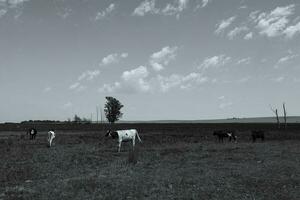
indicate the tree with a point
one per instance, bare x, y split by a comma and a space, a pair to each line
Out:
112, 109
275, 111
284, 115
77, 119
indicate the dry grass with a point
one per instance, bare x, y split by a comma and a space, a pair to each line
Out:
169, 166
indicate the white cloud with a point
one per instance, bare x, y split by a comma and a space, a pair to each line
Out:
113, 58
274, 23
214, 61
110, 88
236, 31
47, 89
279, 79
221, 97
245, 61
77, 87
171, 9
291, 31
102, 14
205, 2
89, 75
2, 12
14, 3
147, 6
134, 74
224, 24
180, 81
162, 58
285, 59
248, 36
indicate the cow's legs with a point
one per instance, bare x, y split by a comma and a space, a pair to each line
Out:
119, 146
133, 143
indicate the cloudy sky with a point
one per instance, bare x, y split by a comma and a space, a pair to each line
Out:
163, 59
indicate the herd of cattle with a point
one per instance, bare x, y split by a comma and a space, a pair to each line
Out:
132, 134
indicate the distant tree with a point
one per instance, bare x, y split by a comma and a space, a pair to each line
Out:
275, 111
77, 119
284, 115
112, 109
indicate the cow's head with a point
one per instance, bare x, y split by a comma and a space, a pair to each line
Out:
108, 133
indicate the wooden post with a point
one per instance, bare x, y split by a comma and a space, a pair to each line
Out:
275, 111
284, 112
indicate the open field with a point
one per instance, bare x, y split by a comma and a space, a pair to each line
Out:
175, 161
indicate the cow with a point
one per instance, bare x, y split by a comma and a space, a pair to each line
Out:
51, 136
32, 133
124, 136
225, 133
257, 134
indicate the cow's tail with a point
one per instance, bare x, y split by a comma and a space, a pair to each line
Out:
137, 135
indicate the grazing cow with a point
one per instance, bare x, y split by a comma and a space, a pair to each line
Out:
51, 136
225, 133
32, 133
257, 134
124, 136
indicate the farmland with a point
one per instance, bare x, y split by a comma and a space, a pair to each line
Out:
175, 161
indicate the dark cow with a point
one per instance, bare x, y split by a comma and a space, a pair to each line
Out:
32, 133
257, 134
221, 134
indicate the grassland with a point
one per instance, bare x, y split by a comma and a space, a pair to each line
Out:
175, 161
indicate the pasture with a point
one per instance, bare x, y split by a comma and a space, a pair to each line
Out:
175, 161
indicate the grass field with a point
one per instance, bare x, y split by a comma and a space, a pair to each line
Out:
173, 162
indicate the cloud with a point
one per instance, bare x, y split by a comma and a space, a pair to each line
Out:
102, 14
112, 58
66, 12
291, 31
160, 59
205, 2
15, 3
236, 31
134, 74
221, 97
285, 59
2, 12
180, 81
224, 24
245, 61
147, 6
47, 89
131, 81
214, 61
89, 75
279, 79
273, 23
171, 9
248, 36
110, 88
77, 87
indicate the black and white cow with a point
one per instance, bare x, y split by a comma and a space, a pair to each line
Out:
51, 136
32, 133
124, 136
257, 134
221, 134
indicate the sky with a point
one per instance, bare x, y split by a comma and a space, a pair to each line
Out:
163, 59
